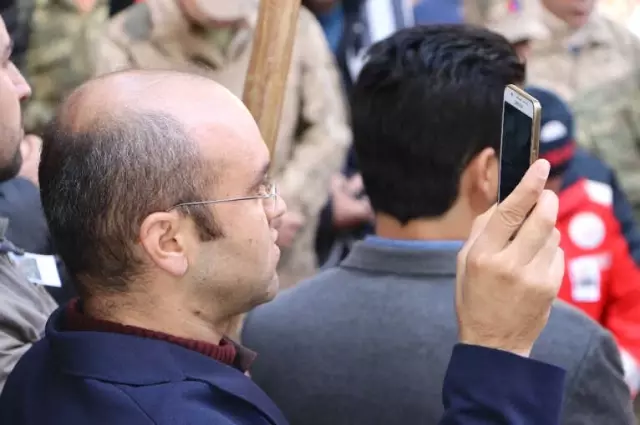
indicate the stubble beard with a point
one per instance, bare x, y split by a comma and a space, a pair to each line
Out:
10, 167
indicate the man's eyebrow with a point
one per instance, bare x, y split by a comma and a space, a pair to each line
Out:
260, 178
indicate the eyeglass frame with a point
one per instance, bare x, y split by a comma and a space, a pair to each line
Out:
273, 193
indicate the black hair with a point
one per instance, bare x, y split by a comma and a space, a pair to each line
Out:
427, 101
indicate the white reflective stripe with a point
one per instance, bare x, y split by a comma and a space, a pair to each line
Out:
631, 371
600, 193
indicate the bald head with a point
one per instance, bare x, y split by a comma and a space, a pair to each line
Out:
189, 98
126, 145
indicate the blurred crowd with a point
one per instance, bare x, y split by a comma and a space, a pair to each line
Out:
582, 61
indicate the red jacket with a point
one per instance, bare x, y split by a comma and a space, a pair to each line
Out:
601, 277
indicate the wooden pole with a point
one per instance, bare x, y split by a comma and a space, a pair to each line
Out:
267, 79
269, 65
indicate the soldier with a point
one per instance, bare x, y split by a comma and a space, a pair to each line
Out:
61, 42
214, 38
520, 22
593, 63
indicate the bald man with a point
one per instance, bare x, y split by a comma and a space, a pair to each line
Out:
155, 188
215, 38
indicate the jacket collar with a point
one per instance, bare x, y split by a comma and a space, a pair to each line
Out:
142, 361
377, 258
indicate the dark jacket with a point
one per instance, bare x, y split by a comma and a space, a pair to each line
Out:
102, 378
20, 203
369, 342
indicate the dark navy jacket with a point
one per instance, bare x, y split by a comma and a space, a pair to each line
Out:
585, 165
99, 378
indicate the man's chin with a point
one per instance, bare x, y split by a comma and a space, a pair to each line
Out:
273, 288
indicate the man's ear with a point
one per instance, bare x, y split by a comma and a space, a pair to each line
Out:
163, 236
484, 169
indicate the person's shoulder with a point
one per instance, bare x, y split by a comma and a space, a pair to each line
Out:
568, 337
587, 165
190, 401
309, 30
305, 17
603, 22
620, 37
585, 194
77, 398
71, 398
307, 289
315, 292
19, 190
83, 397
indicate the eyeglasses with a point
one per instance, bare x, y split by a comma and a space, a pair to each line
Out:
268, 193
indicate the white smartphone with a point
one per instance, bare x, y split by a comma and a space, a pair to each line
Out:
520, 141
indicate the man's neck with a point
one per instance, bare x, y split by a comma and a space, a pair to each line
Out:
160, 314
455, 225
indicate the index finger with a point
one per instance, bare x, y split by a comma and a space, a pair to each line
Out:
510, 213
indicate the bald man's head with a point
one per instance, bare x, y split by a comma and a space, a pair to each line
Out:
148, 90
127, 145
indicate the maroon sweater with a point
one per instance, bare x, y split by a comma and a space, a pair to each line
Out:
226, 351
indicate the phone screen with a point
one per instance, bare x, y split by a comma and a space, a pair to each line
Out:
515, 149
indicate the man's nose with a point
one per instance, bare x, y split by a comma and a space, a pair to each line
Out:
20, 83
280, 208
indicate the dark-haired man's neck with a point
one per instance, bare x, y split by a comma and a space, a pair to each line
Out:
455, 225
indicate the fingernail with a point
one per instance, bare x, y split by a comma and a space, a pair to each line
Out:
543, 168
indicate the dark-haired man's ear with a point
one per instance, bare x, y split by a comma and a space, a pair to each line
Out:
483, 179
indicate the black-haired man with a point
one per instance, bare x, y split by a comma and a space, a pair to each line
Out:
370, 340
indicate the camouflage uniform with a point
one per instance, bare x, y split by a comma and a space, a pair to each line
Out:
314, 133
596, 69
516, 25
61, 43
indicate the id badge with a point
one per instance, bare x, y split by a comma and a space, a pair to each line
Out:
39, 269
585, 276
